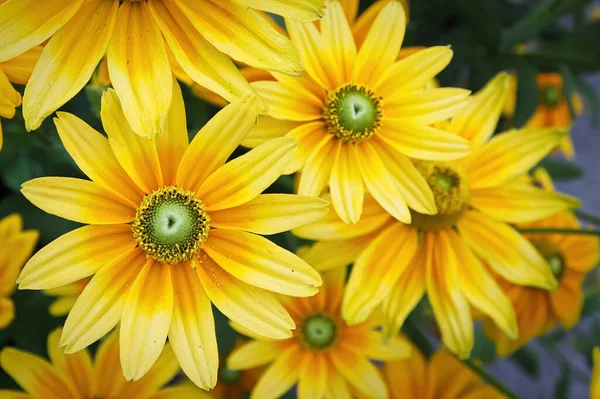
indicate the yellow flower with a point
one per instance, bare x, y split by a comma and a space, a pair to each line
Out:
443, 255
358, 114
76, 376
202, 35
325, 357
595, 381
443, 376
17, 246
16, 70
66, 297
569, 257
172, 228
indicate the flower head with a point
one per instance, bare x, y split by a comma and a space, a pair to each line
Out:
172, 228
137, 37
359, 113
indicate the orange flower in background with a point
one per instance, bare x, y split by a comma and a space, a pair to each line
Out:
66, 297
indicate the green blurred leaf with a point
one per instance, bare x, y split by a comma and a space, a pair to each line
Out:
527, 360
94, 96
482, 21
569, 88
483, 349
561, 7
561, 170
579, 49
591, 95
527, 94
563, 385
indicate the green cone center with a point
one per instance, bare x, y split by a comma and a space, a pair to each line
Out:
551, 96
352, 113
171, 224
319, 331
229, 376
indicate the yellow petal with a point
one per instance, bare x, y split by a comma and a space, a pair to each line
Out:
325, 255
108, 375
98, 309
192, 332
19, 69
244, 178
426, 107
509, 155
137, 155
79, 200
257, 261
182, 391
359, 372
413, 72
408, 377
268, 128
381, 183
301, 10
200, 60
477, 121
7, 313
271, 214
489, 239
346, 184
377, 270
68, 60
146, 320
252, 308
279, 377
243, 34
62, 306
75, 255
76, 367
35, 375
378, 348
423, 142
309, 42
9, 97
216, 141
314, 375
92, 153
350, 8
139, 69
382, 44
288, 104
27, 23
11, 225
253, 354
308, 136
317, 169
339, 49
18, 249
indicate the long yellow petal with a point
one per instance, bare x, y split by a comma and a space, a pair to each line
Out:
136, 154
192, 332
350, 8
243, 34
79, 200
346, 184
325, 255
216, 141
314, 375
339, 49
27, 23
68, 60
253, 308
99, 307
309, 42
359, 372
288, 104
377, 270
92, 153
108, 376
271, 214
146, 319
317, 169
19, 69
9, 97
257, 261
301, 10
509, 155
308, 136
382, 44
426, 107
377, 348
279, 377
244, 178
268, 128
76, 367
139, 69
18, 249
489, 239
253, 354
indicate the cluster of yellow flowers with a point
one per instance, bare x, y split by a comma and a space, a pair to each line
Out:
395, 175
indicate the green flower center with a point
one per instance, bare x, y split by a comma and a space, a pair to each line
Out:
450, 190
171, 225
551, 252
352, 113
319, 331
550, 96
229, 376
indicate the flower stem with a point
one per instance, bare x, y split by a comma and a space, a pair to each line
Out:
490, 380
587, 217
559, 231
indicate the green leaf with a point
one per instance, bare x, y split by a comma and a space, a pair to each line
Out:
527, 359
591, 95
482, 21
581, 44
569, 88
483, 349
563, 385
561, 170
527, 94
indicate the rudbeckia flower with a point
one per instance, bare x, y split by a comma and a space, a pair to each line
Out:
17, 245
171, 228
444, 255
326, 358
65, 297
358, 114
442, 376
569, 257
77, 376
16, 70
202, 35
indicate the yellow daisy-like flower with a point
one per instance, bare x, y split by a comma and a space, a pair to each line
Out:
442, 376
66, 297
172, 228
17, 245
136, 35
16, 70
326, 357
358, 114
443, 255
76, 376
569, 257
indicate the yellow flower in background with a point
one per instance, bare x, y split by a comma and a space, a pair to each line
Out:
77, 376
569, 257
66, 297
443, 255
17, 245
202, 35
16, 70
325, 357
172, 228
358, 114
442, 376
595, 381
552, 110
